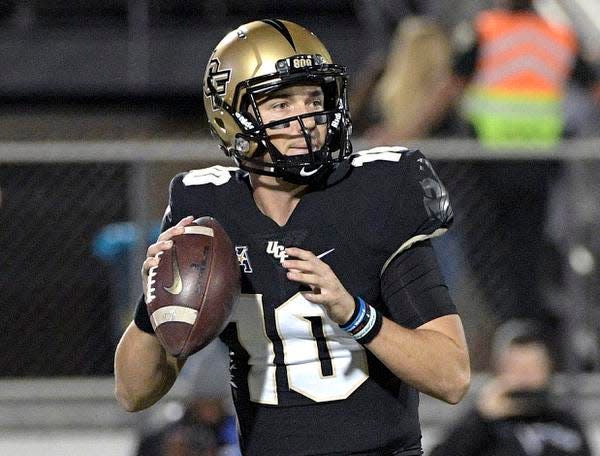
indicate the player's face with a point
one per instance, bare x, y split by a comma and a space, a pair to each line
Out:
289, 102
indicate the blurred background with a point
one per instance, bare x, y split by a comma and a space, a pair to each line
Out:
100, 105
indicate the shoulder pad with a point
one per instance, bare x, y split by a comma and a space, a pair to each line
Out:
385, 153
216, 175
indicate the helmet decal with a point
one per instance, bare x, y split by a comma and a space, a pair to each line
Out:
216, 83
281, 28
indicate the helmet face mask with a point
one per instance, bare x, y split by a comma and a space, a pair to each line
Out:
232, 100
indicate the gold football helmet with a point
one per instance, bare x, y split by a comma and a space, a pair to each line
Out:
255, 60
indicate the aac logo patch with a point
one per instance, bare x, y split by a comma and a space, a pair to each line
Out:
242, 255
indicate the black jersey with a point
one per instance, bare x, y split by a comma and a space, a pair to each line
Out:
301, 385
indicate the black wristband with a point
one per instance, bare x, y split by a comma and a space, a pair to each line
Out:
141, 317
372, 333
365, 322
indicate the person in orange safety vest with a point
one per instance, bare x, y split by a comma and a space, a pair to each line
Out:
511, 67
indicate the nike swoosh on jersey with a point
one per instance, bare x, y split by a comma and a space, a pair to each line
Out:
325, 253
177, 286
305, 173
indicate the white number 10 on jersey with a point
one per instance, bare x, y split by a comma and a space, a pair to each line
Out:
323, 362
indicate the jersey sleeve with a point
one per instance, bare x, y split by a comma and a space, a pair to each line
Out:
413, 288
420, 206
195, 192
167, 220
176, 209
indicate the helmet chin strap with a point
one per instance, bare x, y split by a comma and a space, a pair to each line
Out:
297, 171
307, 175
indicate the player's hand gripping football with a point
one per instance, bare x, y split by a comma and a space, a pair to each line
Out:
326, 289
162, 243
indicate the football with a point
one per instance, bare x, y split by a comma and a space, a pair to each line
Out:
191, 292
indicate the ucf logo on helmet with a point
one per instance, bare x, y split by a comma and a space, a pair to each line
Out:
215, 85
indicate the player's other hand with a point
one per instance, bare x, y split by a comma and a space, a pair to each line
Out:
162, 243
326, 289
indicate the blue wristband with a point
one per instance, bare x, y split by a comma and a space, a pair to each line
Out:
359, 314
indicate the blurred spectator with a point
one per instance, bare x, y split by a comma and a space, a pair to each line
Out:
186, 440
200, 428
511, 68
418, 61
515, 413
404, 35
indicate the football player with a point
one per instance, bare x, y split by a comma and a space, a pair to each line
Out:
344, 317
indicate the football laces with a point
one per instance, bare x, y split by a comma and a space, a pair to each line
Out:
150, 289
